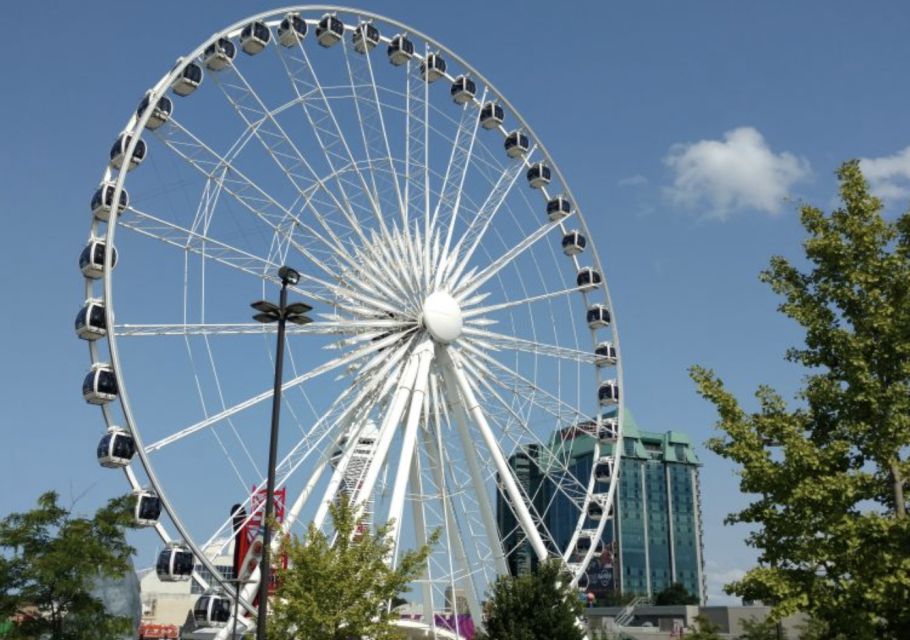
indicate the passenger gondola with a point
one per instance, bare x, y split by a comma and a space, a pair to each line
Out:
91, 260
291, 30
538, 175
433, 68
147, 508
159, 115
329, 31
603, 471
212, 609
608, 393
188, 80
175, 563
116, 448
595, 510
365, 38
103, 201
558, 208
608, 430
255, 37
583, 544
119, 149
219, 54
516, 144
90, 322
605, 354
573, 243
463, 89
100, 384
588, 279
400, 50
492, 115
598, 316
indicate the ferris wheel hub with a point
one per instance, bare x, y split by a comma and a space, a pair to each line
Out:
442, 317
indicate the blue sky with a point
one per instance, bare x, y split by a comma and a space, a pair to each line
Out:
688, 131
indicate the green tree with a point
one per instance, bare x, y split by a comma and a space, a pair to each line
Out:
829, 476
535, 606
703, 629
49, 562
675, 594
342, 590
767, 629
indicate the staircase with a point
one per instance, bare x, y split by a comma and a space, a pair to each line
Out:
625, 616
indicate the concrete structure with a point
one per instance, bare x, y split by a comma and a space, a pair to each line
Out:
655, 536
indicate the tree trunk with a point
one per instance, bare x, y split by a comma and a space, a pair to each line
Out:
900, 506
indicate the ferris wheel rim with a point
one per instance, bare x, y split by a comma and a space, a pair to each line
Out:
136, 126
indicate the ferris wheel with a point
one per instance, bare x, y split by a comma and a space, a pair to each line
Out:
464, 337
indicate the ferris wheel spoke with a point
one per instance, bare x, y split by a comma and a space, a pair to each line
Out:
415, 132
265, 395
453, 184
249, 106
502, 341
255, 328
473, 313
470, 286
474, 234
452, 365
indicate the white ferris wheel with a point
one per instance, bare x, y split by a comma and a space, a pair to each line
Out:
464, 334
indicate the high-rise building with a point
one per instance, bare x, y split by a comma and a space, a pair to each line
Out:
654, 537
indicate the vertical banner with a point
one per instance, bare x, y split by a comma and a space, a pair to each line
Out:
251, 540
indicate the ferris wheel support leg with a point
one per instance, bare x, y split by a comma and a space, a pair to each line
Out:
424, 355
502, 466
420, 531
454, 539
486, 510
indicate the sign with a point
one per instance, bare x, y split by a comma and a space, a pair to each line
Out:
251, 536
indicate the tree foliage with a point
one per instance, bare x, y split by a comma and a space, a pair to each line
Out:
830, 476
540, 605
767, 629
49, 563
703, 629
675, 594
342, 590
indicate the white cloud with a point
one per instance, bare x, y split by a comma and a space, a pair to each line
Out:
889, 176
637, 180
738, 172
716, 577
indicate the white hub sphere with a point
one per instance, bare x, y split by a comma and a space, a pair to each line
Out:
442, 317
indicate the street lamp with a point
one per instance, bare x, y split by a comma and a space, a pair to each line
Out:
281, 313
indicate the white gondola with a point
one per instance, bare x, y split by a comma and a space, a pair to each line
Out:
608, 392
255, 37
573, 243
365, 38
219, 54
598, 316
91, 260
90, 322
596, 510
558, 208
605, 354
100, 384
516, 144
116, 448
433, 68
291, 30
492, 115
212, 609
538, 175
118, 152
588, 279
583, 544
603, 470
463, 90
103, 201
159, 115
147, 508
608, 431
175, 563
188, 80
400, 50
329, 31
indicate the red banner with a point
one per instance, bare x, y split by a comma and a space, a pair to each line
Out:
250, 538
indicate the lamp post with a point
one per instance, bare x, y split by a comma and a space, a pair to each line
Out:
281, 313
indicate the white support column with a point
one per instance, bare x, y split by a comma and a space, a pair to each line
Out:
424, 355
420, 531
454, 369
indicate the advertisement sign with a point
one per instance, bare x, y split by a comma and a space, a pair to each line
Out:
249, 539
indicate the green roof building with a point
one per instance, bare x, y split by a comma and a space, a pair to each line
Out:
654, 537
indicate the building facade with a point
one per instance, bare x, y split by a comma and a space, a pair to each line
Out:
654, 537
